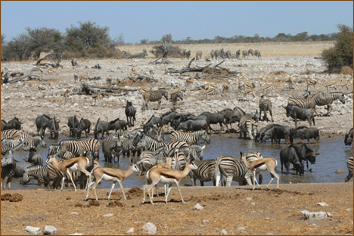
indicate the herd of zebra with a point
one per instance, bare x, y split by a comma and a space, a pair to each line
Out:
215, 54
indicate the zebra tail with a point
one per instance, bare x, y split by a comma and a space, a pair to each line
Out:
313, 120
217, 175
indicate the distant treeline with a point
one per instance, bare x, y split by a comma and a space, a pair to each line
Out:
91, 40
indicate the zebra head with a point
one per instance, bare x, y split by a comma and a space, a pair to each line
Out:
205, 137
8, 159
342, 98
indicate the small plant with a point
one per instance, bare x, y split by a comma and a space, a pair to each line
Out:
342, 53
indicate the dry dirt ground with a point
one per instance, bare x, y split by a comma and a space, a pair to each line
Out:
275, 211
279, 62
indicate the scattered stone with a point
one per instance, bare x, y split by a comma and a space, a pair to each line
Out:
316, 215
198, 233
76, 234
340, 171
348, 209
223, 232
248, 198
49, 230
322, 204
131, 230
33, 230
205, 221
108, 215
252, 203
198, 207
241, 228
74, 213
150, 227
269, 234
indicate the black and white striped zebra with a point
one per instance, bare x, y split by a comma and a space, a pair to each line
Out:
32, 142
233, 169
8, 165
348, 139
328, 99
80, 148
350, 169
196, 151
204, 173
10, 144
37, 172
11, 133
252, 156
248, 126
265, 105
308, 103
150, 158
154, 96
190, 138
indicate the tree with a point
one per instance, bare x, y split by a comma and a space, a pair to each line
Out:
17, 48
167, 38
44, 40
144, 41
342, 53
3, 40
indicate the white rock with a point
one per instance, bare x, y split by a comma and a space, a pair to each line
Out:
315, 215
74, 213
241, 228
49, 230
76, 234
108, 215
248, 198
223, 232
131, 230
198, 207
33, 230
322, 204
150, 227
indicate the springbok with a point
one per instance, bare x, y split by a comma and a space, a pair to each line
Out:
225, 87
69, 166
110, 174
249, 91
267, 87
290, 81
345, 84
210, 86
167, 176
247, 85
66, 95
311, 82
96, 96
135, 73
85, 77
329, 85
143, 90
209, 91
261, 165
151, 72
178, 89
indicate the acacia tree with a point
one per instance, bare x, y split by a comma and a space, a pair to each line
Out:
342, 53
17, 48
43, 40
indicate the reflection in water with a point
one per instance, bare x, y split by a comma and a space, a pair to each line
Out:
333, 155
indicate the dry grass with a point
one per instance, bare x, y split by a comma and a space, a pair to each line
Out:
267, 49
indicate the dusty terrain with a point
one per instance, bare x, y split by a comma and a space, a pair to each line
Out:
29, 99
269, 211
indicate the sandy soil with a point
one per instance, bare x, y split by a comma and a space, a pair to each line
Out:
29, 99
269, 211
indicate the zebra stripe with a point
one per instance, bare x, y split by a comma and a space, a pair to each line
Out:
38, 172
302, 102
10, 144
196, 151
248, 125
328, 99
10, 133
154, 96
252, 156
350, 169
79, 148
232, 168
204, 173
190, 138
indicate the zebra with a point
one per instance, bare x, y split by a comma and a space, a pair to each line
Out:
174, 98
329, 99
148, 159
348, 139
228, 54
198, 55
38, 172
204, 173
190, 138
308, 103
10, 144
257, 53
32, 142
11, 133
238, 54
350, 169
244, 54
79, 148
8, 165
252, 156
154, 96
247, 125
196, 151
232, 168
250, 52
265, 105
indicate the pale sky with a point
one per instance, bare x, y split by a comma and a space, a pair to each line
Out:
198, 20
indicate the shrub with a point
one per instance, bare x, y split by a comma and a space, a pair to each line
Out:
342, 53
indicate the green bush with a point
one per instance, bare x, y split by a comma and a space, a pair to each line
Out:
342, 53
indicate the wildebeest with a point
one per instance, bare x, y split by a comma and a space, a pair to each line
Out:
276, 132
154, 96
257, 53
238, 54
4, 125
84, 125
14, 124
348, 140
21, 167
100, 127
44, 121
151, 122
174, 98
302, 152
34, 157
111, 148
73, 122
167, 118
296, 113
193, 125
289, 155
304, 132
130, 113
214, 118
8, 166
117, 124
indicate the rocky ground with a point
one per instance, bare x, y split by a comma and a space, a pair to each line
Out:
237, 210
29, 99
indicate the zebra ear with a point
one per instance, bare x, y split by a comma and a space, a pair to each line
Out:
203, 146
241, 154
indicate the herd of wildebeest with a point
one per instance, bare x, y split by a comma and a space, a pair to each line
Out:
147, 149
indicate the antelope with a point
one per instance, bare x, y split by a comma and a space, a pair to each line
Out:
52, 70
151, 72
247, 85
290, 81
143, 90
96, 96
249, 91
267, 87
69, 166
209, 86
175, 90
225, 87
167, 176
345, 84
209, 91
85, 77
261, 165
109, 81
66, 95
110, 174
311, 82
329, 85
189, 81
76, 77
134, 73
